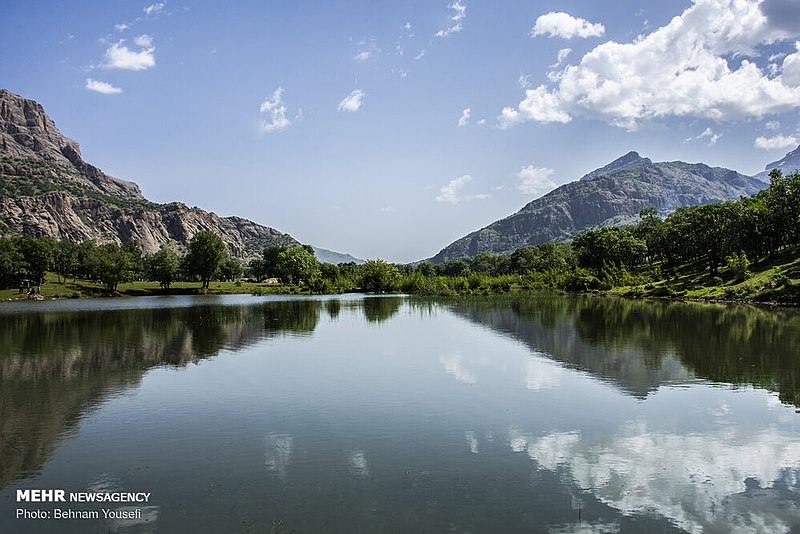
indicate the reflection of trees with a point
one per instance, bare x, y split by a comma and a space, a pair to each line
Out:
635, 343
291, 316
333, 307
379, 309
53, 366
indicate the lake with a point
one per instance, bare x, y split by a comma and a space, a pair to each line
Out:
541, 413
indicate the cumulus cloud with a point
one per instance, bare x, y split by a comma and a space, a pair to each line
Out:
451, 193
460, 11
119, 56
121, 27
535, 180
153, 9
708, 134
101, 87
464, 119
777, 142
273, 110
692, 67
772, 125
564, 25
352, 102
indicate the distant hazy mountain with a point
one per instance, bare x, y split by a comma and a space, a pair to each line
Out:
611, 195
47, 189
788, 164
328, 256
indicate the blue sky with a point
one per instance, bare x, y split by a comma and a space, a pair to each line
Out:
391, 128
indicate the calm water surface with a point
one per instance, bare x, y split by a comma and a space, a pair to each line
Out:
392, 414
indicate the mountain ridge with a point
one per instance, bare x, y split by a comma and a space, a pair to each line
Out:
608, 196
47, 189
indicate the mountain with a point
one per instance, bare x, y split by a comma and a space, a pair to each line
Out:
329, 256
610, 195
47, 189
788, 164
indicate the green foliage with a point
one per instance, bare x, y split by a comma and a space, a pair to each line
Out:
206, 253
297, 264
162, 267
37, 254
116, 264
617, 246
65, 259
11, 262
379, 276
739, 266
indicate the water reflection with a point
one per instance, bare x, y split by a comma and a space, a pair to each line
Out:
55, 366
643, 345
380, 309
385, 414
278, 450
702, 482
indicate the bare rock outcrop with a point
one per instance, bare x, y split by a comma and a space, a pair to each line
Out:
47, 189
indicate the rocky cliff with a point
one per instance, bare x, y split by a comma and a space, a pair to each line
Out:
788, 164
47, 189
611, 195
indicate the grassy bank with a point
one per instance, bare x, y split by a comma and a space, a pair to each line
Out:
772, 279
52, 289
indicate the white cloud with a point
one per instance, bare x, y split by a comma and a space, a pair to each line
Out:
535, 180
369, 50
562, 56
419, 56
121, 27
791, 68
777, 142
119, 56
772, 125
709, 134
352, 102
683, 69
144, 40
101, 87
564, 25
460, 12
274, 110
539, 105
464, 119
154, 8
451, 193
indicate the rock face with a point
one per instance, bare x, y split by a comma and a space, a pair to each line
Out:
46, 189
611, 195
788, 164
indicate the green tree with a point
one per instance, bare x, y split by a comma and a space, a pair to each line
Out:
162, 266
297, 264
230, 269
65, 259
10, 262
205, 256
37, 256
271, 265
378, 276
114, 265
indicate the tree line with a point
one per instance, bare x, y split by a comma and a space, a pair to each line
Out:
730, 234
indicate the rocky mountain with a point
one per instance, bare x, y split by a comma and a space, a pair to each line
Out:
47, 189
788, 164
611, 195
329, 256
